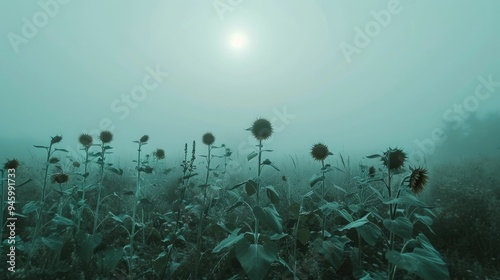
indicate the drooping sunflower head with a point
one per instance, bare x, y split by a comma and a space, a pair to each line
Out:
86, 140
371, 171
393, 158
228, 152
59, 178
418, 179
320, 151
262, 129
208, 138
11, 164
106, 136
159, 154
144, 139
56, 139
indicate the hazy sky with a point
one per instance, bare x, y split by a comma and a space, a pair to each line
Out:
358, 76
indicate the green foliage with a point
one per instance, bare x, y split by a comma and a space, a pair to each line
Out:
179, 224
256, 259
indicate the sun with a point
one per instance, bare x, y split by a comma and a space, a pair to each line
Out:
238, 41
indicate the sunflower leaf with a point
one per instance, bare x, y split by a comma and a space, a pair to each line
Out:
252, 155
374, 156
315, 179
40, 147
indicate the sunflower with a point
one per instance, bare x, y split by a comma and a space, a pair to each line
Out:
393, 158
262, 129
144, 139
418, 179
11, 164
208, 138
56, 139
59, 178
54, 160
86, 140
106, 136
319, 151
371, 171
159, 154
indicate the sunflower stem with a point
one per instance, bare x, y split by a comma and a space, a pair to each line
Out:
101, 182
256, 233
80, 211
137, 189
323, 198
202, 212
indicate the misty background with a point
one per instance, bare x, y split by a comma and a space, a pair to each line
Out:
74, 70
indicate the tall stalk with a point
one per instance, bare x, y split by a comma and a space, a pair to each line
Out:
55, 139
208, 139
139, 168
323, 198
99, 190
105, 137
257, 192
84, 183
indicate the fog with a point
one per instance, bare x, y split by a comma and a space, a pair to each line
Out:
356, 76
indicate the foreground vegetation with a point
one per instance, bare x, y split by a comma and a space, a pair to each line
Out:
85, 218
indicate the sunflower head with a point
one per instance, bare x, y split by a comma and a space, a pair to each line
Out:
144, 139
59, 178
76, 164
262, 129
228, 152
394, 158
159, 154
371, 171
86, 140
418, 179
56, 139
11, 164
106, 136
320, 151
54, 160
208, 138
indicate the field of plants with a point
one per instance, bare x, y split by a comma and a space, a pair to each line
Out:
87, 217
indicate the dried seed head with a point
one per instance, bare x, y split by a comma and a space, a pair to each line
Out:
262, 129
159, 154
11, 164
144, 139
208, 138
106, 136
371, 171
319, 151
59, 178
86, 140
393, 158
418, 179
56, 139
